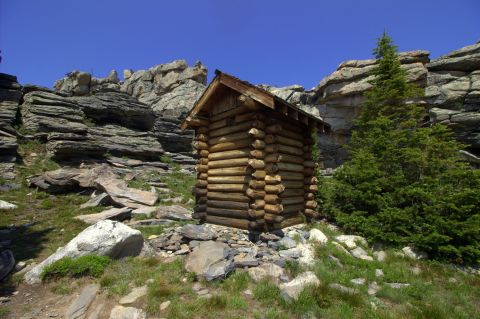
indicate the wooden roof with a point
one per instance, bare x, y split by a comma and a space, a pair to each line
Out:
260, 95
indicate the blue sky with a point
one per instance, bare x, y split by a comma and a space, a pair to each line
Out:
276, 42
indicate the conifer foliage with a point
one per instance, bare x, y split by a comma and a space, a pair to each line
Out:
404, 182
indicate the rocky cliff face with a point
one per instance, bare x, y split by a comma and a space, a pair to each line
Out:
452, 97
139, 117
10, 96
88, 117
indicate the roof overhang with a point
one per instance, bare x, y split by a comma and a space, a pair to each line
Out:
259, 95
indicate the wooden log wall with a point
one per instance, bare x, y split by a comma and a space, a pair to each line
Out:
311, 187
285, 179
235, 161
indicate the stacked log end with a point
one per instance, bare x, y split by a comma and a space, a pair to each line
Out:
311, 187
284, 199
256, 163
201, 145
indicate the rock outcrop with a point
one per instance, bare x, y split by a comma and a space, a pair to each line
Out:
88, 117
10, 95
339, 96
453, 93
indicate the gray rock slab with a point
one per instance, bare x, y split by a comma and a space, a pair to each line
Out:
119, 214
80, 306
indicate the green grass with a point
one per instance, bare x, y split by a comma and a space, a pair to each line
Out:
180, 183
88, 265
4, 311
139, 184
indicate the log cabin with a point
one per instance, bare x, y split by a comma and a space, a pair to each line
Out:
255, 169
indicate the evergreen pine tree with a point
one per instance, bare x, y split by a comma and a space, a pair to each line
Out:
404, 182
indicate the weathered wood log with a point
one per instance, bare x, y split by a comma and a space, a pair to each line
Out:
275, 118
201, 200
228, 179
248, 117
228, 146
229, 171
248, 102
283, 140
293, 200
309, 196
290, 222
293, 209
311, 204
258, 144
256, 194
256, 213
257, 184
259, 174
202, 161
228, 204
290, 134
274, 189
292, 193
308, 171
273, 179
258, 204
306, 148
275, 148
291, 176
272, 199
197, 121
229, 138
234, 197
244, 152
203, 153
233, 162
311, 213
201, 191
201, 168
256, 133
229, 113
256, 163
201, 130
202, 176
310, 180
290, 141
200, 208
231, 213
273, 129
272, 218
273, 208
258, 124
273, 168
230, 222
257, 154
293, 184
312, 188
227, 187
283, 158
202, 137
218, 124
199, 216
310, 164
199, 145
245, 126
257, 224
201, 183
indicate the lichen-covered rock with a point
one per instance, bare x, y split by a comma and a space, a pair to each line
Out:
210, 260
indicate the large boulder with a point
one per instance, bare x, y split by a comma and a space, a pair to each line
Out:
148, 85
106, 238
210, 260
